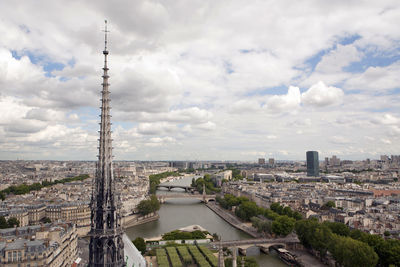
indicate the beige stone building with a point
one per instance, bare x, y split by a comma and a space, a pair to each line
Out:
53, 245
20, 214
75, 212
36, 213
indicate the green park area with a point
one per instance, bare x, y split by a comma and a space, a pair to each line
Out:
186, 255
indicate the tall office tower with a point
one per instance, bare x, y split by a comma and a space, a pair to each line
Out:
106, 247
261, 161
271, 161
312, 163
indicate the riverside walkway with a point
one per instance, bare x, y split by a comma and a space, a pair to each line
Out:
231, 243
232, 219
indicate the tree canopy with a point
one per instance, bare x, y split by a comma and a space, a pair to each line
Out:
10, 223
140, 244
348, 247
155, 179
148, 206
180, 235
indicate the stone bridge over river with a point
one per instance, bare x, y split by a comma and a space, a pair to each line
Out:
194, 193
187, 188
263, 244
201, 197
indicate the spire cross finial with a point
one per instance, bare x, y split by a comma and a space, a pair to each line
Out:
105, 35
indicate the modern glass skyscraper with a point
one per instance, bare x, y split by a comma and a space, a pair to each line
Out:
312, 163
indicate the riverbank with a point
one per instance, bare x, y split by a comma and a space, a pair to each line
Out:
232, 220
303, 257
134, 220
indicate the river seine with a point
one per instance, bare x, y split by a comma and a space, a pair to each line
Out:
178, 213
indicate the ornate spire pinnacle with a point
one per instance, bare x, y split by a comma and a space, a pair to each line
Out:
106, 247
105, 35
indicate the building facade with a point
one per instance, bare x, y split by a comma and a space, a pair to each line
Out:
50, 245
312, 163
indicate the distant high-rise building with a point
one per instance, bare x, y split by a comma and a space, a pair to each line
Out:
312, 163
261, 161
271, 161
334, 161
106, 247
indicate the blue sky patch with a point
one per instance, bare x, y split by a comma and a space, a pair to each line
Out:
228, 67
245, 51
42, 60
371, 60
315, 59
49, 67
276, 90
349, 39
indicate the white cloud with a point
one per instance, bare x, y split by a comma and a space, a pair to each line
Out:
336, 59
375, 79
386, 118
285, 103
204, 75
157, 128
321, 95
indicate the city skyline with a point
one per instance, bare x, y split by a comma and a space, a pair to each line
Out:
201, 81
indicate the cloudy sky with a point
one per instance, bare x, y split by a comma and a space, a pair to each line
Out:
201, 79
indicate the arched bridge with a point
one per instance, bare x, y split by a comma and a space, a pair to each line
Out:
264, 244
170, 186
201, 197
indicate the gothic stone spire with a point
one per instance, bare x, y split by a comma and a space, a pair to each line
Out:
106, 247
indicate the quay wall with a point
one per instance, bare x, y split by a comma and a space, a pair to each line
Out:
127, 221
231, 219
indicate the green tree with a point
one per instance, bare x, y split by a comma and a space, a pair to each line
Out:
349, 252
45, 220
12, 222
389, 252
248, 262
277, 208
297, 215
328, 205
246, 210
140, 244
3, 223
272, 215
283, 225
287, 211
321, 239
338, 228
262, 225
305, 231
149, 205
